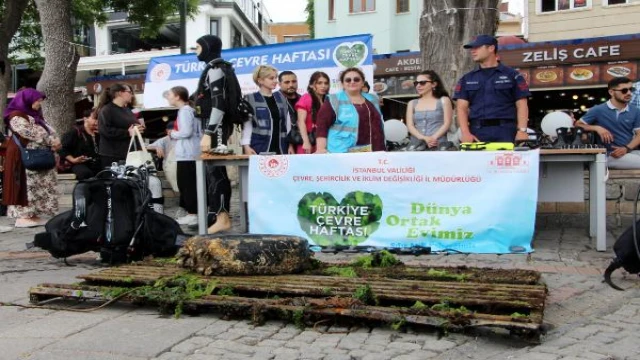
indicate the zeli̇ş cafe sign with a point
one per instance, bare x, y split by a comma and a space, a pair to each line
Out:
577, 54
575, 63
616, 48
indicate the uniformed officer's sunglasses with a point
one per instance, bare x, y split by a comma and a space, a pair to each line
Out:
625, 90
422, 82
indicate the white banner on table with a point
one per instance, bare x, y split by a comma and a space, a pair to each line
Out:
473, 202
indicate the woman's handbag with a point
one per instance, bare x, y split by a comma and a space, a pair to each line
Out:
295, 137
137, 158
36, 159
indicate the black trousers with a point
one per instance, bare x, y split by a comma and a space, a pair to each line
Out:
84, 171
187, 186
218, 189
218, 184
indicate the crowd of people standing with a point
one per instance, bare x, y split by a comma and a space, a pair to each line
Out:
282, 122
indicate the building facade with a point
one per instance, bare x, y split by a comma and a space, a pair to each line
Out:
117, 49
388, 21
288, 32
510, 24
394, 24
550, 20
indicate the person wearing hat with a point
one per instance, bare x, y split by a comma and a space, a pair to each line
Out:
491, 100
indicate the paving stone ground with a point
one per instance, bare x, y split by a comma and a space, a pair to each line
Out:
586, 319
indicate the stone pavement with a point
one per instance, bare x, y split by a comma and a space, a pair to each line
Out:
586, 318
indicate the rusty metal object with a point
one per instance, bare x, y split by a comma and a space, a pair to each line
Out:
245, 254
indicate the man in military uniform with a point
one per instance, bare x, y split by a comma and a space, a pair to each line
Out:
491, 99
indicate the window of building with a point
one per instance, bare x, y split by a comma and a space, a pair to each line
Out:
292, 38
332, 10
81, 36
236, 37
214, 27
358, 6
615, 2
127, 39
559, 5
402, 6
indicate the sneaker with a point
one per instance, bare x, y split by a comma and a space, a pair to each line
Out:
190, 219
181, 213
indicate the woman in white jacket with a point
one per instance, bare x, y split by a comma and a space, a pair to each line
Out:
187, 134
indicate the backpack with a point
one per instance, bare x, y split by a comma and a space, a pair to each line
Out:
111, 215
237, 109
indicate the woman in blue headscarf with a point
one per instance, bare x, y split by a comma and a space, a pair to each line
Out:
29, 194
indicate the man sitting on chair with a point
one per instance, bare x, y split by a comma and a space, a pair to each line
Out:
617, 124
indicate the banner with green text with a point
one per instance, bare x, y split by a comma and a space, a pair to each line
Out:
472, 202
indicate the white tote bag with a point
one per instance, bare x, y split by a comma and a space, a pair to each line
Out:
137, 157
170, 167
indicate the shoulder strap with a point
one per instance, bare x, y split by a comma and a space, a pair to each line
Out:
203, 77
79, 205
333, 99
17, 141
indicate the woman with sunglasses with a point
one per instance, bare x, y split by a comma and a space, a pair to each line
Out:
429, 117
116, 123
351, 120
308, 107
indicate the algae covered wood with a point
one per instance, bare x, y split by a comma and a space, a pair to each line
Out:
374, 289
245, 255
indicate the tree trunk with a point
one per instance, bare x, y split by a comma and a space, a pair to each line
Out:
61, 61
445, 26
9, 24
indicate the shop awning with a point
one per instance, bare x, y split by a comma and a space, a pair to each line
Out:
120, 61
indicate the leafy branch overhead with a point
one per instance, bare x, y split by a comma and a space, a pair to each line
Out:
310, 18
150, 15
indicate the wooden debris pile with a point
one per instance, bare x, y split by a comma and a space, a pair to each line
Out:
449, 298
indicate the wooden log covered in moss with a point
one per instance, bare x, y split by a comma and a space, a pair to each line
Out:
245, 255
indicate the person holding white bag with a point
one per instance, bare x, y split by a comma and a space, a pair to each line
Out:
116, 124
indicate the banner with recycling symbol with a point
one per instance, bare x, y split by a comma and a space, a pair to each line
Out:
470, 202
330, 55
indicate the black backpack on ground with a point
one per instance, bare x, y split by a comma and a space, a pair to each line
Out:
237, 109
111, 215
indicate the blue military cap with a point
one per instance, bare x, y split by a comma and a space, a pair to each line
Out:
481, 40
